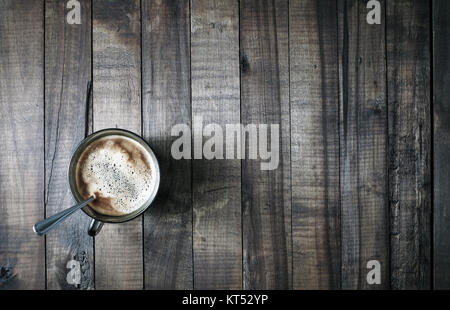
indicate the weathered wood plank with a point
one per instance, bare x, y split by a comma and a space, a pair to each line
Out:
441, 143
22, 254
314, 144
217, 183
266, 200
67, 72
166, 102
408, 62
117, 103
363, 131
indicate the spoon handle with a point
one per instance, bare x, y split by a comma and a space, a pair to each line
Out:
44, 226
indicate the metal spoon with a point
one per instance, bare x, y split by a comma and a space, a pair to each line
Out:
44, 226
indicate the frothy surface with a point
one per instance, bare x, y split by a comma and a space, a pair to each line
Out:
117, 171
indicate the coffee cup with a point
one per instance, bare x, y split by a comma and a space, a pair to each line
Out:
120, 170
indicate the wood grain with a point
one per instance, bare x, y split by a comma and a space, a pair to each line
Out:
314, 144
67, 72
22, 254
216, 183
166, 102
441, 143
117, 103
360, 167
265, 100
363, 132
408, 63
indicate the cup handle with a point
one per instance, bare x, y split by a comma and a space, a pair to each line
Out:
94, 228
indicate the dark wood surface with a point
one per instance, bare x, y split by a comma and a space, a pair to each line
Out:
441, 143
314, 144
364, 144
67, 70
266, 210
409, 106
217, 219
22, 255
363, 140
116, 55
166, 102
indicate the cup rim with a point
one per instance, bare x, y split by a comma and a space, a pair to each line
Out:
112, 219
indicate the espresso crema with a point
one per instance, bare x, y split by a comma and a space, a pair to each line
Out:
117, 171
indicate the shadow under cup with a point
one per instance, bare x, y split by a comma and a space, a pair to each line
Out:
98, 218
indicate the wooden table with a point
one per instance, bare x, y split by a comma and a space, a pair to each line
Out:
364, 116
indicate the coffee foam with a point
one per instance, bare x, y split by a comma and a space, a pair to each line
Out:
118, 172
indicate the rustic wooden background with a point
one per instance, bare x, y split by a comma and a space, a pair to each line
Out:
365, 138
